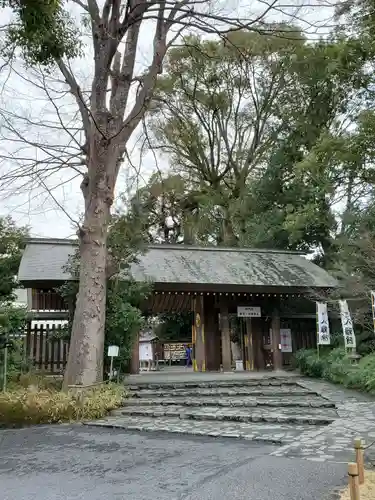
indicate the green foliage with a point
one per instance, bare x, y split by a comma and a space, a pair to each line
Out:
41, 406
12, 242
274, 182
43, 30
174, 326
335, 366
124, 318
12, 323
309, 363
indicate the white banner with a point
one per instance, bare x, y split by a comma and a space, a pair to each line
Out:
322, 324
373, 307
347, 325
286, 340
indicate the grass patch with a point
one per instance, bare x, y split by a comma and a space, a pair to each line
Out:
367, 489
335, 366
39, 405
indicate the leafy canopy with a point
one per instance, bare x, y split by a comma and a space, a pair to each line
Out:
42, 29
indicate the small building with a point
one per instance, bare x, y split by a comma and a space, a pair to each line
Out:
149, 349
270, 294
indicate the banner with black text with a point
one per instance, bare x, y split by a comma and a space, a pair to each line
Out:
347, 325
322, 323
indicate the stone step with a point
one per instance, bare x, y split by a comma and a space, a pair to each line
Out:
246, 402
223, 392
287, 416
278, 433
254, 382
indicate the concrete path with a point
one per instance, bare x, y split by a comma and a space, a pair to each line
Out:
82, 463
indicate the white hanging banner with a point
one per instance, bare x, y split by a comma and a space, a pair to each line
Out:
286, 340
373, 307
347, 325
322, 324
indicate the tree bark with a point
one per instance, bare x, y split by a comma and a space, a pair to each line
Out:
86, 352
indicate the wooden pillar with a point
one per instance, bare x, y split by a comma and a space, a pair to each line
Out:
276, 341
134, 362
226, 354
258, 343
212, 335
249, 345
199, 349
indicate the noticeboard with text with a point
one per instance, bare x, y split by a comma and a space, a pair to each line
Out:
174, 351
248, 312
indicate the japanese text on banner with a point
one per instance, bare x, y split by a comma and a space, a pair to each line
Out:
324, 337
347, 324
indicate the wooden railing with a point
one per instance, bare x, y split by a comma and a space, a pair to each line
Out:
47, 300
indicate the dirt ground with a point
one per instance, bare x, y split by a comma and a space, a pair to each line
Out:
367, 489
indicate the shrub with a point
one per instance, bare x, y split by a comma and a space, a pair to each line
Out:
335, 366
42, 406
309, 363
35, 379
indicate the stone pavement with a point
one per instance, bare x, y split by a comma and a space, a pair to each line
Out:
356, 418
308, 419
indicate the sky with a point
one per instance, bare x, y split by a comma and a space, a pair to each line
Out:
52, 205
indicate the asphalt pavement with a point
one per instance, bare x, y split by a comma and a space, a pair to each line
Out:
81, 463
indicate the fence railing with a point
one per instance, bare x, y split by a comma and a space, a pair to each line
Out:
46, 348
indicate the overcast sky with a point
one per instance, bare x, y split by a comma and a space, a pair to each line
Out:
25, 108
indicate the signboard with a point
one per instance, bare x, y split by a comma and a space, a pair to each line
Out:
145, 351
248, 312
373, 307
174, 352
286, 340
113, 351
347, 325
322, 324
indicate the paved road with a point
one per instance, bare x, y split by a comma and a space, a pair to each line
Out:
75, 462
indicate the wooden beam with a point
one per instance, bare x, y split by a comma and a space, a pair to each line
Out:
134, 362
226, 354
249, 345
199, 349
276, 341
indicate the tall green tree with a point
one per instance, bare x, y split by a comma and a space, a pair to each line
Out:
239, 129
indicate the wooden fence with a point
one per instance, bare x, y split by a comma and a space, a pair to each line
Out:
46, 348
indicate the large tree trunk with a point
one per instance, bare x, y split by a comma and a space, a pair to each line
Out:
85, 362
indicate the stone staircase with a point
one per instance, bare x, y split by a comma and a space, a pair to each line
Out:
273, 409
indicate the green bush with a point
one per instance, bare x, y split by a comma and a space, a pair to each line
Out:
42, 406
309, 363
335, 366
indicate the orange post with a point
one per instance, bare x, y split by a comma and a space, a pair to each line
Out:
353, 481
358, 446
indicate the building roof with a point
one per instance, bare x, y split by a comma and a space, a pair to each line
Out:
44, 260
147, 336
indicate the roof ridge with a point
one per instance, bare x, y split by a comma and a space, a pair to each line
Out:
173, 246
52, 241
